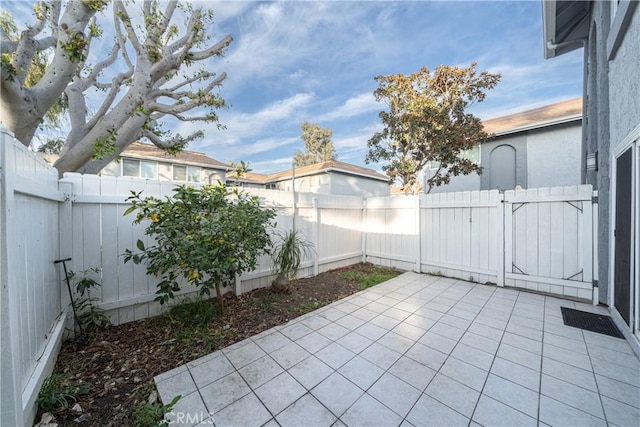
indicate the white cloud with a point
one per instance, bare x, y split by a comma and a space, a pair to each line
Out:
248, 125
272, 165
355, 106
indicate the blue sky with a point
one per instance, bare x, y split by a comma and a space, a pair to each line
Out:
296, 61
316, 61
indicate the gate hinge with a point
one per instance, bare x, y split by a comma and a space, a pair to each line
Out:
594, 199
595, 283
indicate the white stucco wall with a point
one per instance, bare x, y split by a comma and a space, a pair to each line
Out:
554, 156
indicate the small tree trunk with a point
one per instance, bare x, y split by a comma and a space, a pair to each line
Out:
219, 294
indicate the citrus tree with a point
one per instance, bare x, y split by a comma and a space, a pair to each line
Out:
202, 235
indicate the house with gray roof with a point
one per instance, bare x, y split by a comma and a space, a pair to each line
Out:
331, 177
534, 148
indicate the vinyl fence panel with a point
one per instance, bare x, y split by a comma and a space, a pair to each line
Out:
30, 307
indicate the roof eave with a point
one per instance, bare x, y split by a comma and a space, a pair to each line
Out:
540, 125
325, 170
570, 33
174, 161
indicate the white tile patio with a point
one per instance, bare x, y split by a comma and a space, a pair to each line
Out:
417, 350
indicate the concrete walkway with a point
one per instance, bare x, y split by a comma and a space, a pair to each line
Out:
416, 350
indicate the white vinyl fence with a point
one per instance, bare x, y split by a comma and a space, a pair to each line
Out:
539, 239
31, 319
98, 234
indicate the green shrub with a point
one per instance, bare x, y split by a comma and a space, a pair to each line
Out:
202, 235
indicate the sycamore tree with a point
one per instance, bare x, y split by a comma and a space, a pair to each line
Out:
150, 72
318, 146
427, 121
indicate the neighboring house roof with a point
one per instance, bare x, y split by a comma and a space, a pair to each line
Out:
330, 166
560, 112
250, 177
138, 150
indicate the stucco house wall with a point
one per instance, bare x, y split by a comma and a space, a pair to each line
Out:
534, 148
624, 88
553, 156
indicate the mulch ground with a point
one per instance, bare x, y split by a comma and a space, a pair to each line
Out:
115, 369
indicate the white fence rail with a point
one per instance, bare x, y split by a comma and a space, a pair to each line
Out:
540, 239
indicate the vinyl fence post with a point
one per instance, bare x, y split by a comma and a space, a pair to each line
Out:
363, 230
316, 237
418, 233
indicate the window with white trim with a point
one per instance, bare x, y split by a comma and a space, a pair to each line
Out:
187, 173
140, 168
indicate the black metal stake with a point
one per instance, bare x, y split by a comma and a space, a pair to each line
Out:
73, 304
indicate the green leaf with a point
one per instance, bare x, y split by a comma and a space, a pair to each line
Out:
140, 245
128, 211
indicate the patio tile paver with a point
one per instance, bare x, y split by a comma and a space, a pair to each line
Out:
402, 399
361, 372
413, 373
337, 393
335, 355
578, 397
307, 411
210, 370
491, 412
246, 411
465, 373
180, 384
569, 373
310, 372
416, 350
355, 342
290, 355
260, 371
367, 411
280, 392
223, 392
453, 394
516, 373
380, 355
313, 342
428, 412
555, 413
512, 394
